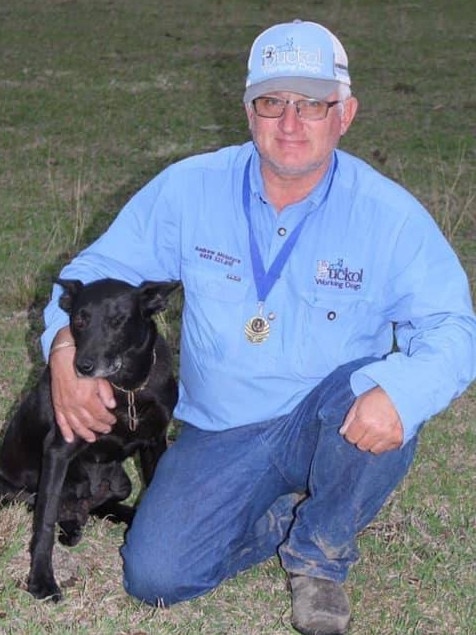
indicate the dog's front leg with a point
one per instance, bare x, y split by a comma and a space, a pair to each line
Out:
149, 457
57, 455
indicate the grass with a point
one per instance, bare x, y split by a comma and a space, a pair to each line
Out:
97, 97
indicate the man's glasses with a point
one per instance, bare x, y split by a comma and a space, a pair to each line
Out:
311, 109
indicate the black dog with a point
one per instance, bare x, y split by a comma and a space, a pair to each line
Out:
116, 338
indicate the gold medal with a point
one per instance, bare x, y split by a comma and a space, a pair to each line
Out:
257, 329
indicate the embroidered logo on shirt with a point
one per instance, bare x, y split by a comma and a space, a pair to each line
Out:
338, 275
217, 256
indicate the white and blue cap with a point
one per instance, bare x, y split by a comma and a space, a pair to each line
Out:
298, 57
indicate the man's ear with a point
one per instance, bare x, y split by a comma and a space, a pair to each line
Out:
351, 105
250, 115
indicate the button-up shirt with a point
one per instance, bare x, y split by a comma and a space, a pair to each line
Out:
370, 275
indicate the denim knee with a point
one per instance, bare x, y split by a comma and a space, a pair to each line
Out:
166, 578
141, 580
150, 579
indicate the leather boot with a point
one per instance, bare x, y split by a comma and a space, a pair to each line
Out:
320, 606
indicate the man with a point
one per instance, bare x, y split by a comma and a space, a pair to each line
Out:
325, 320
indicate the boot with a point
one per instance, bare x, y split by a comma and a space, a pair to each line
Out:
320, 606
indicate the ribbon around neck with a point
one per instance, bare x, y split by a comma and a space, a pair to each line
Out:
265, 280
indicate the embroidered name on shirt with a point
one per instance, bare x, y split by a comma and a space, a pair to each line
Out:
338, 275
217, 256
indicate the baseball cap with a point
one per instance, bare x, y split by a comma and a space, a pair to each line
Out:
299, 57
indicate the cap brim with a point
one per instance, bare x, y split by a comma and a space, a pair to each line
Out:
309, 87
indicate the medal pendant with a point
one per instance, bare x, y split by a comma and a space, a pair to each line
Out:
257, 329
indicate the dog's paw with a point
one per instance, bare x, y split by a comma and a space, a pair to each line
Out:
43, 588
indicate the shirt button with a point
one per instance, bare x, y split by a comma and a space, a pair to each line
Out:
271, 316
331, 315
282, 231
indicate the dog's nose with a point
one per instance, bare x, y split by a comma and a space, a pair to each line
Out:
85, 366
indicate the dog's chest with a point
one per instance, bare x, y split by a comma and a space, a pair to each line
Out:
115, 446
138, 415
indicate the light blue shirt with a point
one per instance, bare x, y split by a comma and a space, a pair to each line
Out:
371, 274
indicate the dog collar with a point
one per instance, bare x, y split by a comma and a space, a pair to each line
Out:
133, 419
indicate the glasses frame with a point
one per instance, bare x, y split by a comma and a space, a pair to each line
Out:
296, 103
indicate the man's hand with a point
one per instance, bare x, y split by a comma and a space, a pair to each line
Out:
373, 424
80, 404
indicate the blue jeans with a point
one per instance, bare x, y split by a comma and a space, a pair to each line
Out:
221, 502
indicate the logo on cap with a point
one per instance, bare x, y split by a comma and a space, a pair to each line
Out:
287, 56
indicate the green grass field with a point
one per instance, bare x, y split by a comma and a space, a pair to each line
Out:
95, 98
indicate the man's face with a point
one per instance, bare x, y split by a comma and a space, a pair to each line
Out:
293, 146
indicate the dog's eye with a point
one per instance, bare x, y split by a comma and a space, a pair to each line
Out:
115, 321
79, 322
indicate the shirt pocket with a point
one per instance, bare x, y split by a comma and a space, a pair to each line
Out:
335, 330
214, 312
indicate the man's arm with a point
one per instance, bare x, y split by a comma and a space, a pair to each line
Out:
139, 245
429, 303
80, 403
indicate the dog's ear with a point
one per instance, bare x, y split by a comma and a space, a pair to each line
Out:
153, 295
71, 288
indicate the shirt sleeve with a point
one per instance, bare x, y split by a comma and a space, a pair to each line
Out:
434, 357
141, 244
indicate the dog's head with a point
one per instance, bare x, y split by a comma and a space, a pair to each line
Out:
112, 326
